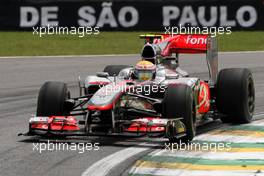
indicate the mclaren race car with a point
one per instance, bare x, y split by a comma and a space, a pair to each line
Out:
155, 98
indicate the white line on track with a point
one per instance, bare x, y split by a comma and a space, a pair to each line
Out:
211, 155
120, 55
103, 166
182, 172
229, 138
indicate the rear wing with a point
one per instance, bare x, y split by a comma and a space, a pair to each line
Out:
212, 59
164, 45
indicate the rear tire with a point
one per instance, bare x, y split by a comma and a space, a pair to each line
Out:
51, 99
178, 102
235, 95
114, 69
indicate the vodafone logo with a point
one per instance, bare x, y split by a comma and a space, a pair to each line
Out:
196, 41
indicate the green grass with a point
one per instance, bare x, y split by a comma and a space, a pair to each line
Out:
242, 41
27, 44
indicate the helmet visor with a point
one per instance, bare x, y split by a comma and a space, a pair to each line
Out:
144, 75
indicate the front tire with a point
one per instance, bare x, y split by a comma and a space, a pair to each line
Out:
235, 95
178, 102
51, 99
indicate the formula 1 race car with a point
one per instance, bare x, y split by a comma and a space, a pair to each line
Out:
170, 104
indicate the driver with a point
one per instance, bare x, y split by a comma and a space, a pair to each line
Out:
144, 71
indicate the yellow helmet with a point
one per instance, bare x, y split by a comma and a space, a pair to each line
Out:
145, 70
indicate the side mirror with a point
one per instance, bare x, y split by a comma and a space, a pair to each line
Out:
102, 74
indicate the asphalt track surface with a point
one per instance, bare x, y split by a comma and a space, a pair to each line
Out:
21, 79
